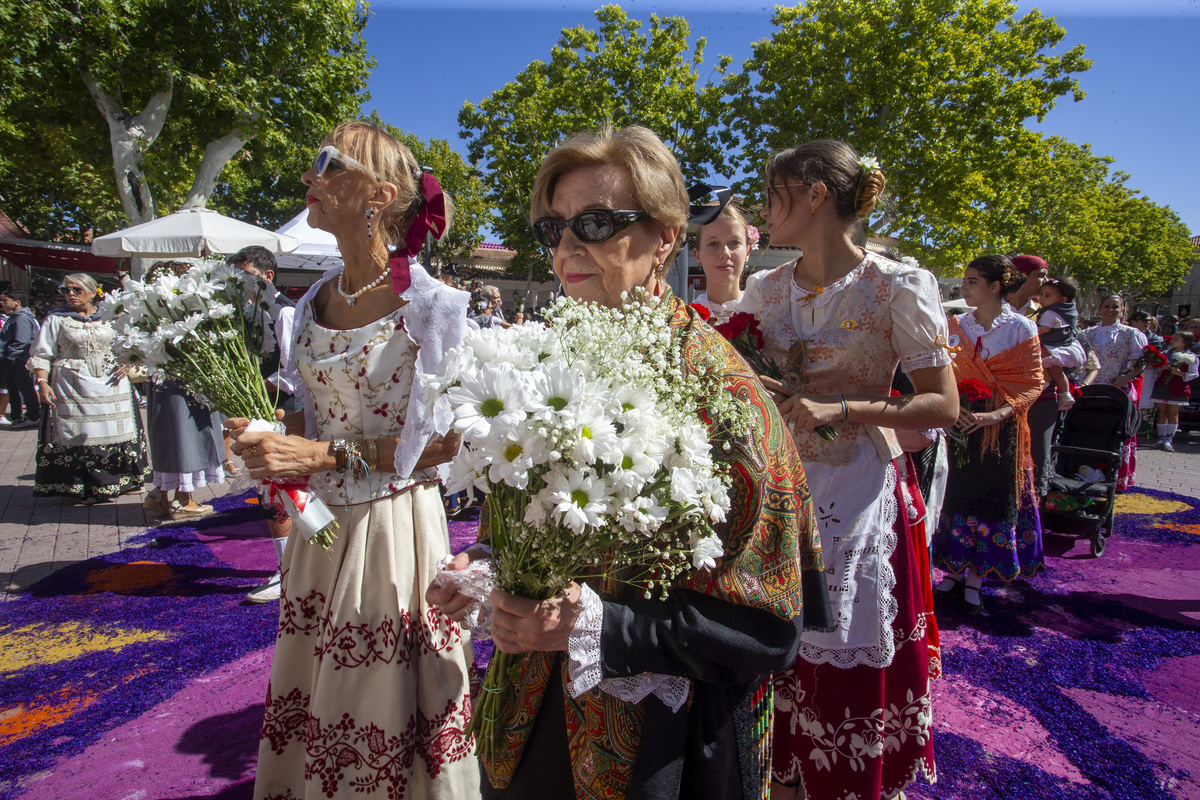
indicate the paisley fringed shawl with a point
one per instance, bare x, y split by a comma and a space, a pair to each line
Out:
772, 562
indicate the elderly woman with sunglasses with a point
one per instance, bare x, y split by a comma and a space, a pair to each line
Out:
369, 692
90, 445
653, 698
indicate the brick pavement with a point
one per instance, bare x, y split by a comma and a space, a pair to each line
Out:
39, 535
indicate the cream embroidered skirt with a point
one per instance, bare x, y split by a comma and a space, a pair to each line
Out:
369, 692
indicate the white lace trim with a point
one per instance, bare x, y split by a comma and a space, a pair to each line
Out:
830, 292
930, 358
875, 655
584, 672
583, 644
671, 689
475, 581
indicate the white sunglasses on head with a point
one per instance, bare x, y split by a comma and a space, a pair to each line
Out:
331, 155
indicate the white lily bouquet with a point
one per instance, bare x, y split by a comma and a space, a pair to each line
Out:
207, 329
588, 438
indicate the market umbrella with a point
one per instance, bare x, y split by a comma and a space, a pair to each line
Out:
318, 249
190, 233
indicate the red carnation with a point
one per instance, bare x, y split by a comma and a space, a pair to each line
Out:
702, 311
972, 390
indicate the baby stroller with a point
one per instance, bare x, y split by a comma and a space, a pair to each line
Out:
1085, 462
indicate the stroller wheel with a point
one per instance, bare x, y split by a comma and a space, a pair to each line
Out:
1099, 542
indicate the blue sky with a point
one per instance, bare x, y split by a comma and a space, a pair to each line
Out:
1143, 90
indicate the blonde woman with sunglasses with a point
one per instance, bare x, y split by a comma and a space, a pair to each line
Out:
90, 444
369, 694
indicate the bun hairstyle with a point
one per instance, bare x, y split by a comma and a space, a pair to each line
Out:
160, 268
998, 269
856, 184
393, 162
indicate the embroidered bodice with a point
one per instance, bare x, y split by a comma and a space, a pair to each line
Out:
1117, 346
77, 345
360, 381
848, 339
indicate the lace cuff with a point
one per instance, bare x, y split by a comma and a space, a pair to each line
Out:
929, 358
583, 644
584, 671
475, 581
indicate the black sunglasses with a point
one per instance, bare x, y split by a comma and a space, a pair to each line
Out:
591, 226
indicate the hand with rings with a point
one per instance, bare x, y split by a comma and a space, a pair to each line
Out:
275, 455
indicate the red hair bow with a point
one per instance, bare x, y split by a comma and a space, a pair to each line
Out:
431, 218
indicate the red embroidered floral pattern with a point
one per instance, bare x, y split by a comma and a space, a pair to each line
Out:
361, 644
364, 756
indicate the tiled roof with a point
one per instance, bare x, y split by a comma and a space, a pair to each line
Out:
10, 229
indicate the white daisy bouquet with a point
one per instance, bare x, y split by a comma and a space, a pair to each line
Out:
589, 439
207, 329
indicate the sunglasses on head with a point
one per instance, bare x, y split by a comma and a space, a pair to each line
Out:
591, 226
329, 156
72, 290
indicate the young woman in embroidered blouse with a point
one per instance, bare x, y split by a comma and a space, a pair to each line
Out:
990, 526
722, 247
369, 694
1118, 347
838, 321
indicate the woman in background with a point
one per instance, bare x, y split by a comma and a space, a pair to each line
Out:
837, 322
990, 526
186, 447
721, 248
1118, 347
90, 444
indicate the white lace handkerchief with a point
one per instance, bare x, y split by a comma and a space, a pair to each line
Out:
475, 581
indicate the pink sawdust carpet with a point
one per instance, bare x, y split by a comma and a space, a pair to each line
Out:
142, 674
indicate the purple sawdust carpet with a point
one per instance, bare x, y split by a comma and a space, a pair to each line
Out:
142, 674
1084, 682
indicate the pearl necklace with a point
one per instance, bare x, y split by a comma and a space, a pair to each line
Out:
351, 298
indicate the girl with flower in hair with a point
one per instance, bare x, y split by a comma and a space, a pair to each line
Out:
853, 713
722, 247
990, 525
369, 695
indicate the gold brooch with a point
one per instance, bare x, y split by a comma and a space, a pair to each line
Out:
849, 325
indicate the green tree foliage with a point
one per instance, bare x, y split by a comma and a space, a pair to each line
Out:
616, 75
459, 180
114, 109
937, 90
1057, 199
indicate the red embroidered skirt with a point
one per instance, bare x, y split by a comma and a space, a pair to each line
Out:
864, 732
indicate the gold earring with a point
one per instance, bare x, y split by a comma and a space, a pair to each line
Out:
814, 209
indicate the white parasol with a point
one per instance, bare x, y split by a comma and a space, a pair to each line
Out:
190, 233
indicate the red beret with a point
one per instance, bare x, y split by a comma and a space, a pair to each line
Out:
1028, 264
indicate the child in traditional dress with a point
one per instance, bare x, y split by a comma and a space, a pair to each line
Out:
1057, 320
1171, 390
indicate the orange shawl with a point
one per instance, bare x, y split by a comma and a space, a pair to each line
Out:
1015, 378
